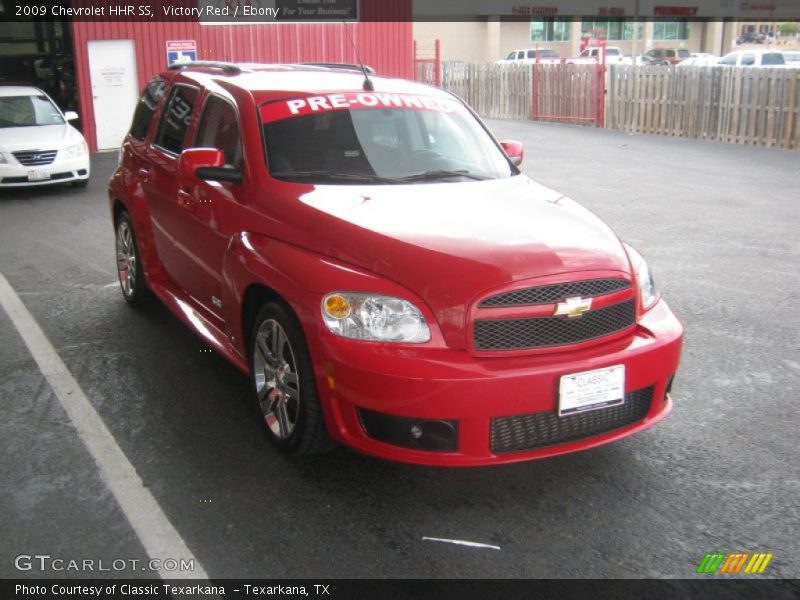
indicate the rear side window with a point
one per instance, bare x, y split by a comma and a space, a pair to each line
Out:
774, 58
219, 128
175, 119
146, 108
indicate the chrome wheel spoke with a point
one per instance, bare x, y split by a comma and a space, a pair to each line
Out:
284, 424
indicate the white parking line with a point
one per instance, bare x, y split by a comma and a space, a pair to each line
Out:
460, 543
156, 533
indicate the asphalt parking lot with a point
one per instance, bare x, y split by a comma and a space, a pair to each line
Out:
718, 224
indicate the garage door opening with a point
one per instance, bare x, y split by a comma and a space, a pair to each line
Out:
40, 54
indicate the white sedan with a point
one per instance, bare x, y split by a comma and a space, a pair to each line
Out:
38, 146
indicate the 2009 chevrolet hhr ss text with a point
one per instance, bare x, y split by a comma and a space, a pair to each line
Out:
367, 253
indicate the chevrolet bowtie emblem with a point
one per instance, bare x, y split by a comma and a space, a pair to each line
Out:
573, 307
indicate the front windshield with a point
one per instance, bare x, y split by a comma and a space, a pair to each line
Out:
28, 111
378, 138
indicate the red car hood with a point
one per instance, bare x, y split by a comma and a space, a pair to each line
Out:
452, 242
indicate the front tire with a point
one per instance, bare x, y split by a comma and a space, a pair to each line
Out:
129, 266
283, 385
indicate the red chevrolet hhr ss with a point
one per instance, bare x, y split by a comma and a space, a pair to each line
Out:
367, 253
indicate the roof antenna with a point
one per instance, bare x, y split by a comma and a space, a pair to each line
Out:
368, 85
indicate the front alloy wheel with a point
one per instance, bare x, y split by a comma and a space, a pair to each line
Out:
282, 380
275, 378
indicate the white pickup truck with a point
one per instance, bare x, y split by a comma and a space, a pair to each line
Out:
754, 58
592, 55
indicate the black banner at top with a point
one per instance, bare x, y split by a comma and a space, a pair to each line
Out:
321, 11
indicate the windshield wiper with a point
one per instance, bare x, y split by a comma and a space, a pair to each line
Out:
332, 175
442, 174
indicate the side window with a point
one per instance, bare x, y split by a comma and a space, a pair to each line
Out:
748, 59
531, 53
146, 108
175, 119
219, 128
521, 54
728, 60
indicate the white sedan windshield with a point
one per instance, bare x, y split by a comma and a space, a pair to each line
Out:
28, 111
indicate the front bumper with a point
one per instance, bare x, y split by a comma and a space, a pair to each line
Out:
59, 171
475, 395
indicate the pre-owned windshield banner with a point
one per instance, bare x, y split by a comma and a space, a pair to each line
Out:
310, 105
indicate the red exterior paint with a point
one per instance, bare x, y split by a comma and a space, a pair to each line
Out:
460, 243
383, 38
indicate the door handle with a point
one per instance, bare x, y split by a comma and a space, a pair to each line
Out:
144, 174
185, 200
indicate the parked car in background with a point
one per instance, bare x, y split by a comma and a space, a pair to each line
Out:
671, 56
753, 58
530, 56
592, 55
700, 59
38, 146
651, 61
500, 322
751, 37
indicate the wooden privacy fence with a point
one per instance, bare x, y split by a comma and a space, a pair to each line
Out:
517, 91
738, 105
493, 91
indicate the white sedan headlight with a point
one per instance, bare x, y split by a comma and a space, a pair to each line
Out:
75, 150
374, 317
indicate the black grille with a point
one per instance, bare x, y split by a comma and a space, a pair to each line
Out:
525, 432
544, 332
35, 158
548, 294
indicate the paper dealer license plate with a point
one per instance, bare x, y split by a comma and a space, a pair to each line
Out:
38, 175
591, 390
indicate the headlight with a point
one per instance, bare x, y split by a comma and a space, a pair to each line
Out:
374, 317
75, 150
647, 287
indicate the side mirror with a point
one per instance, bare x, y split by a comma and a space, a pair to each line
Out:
71, 115
199, 158
514, 151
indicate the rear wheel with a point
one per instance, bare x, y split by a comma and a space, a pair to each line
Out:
129, 267
282, 381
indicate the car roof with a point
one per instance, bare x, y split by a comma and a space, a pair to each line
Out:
19, 90
754, 51
303, 79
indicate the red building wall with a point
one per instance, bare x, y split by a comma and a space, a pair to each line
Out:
383, 38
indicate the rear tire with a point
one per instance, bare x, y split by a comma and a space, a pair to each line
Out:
283, 384
129, 266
